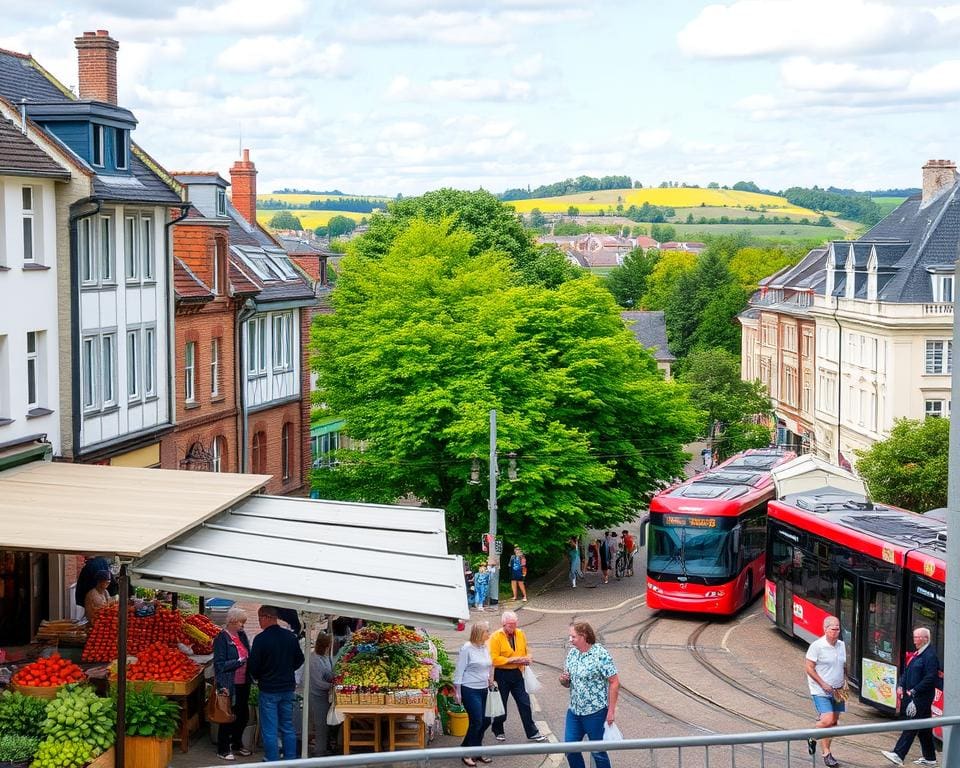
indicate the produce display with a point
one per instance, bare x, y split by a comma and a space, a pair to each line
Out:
161, 662
63, 754
49, 672
77, 714
386, 664
162, 626
21, 715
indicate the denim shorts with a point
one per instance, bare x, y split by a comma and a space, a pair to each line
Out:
828, 704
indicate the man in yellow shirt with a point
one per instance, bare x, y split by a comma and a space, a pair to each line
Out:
508, 649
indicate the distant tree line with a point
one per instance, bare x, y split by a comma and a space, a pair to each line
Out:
354, 204
568, 187
823, 221
647, 212
293, 191
856, 206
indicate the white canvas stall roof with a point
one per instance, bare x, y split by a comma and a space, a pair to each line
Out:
806, 473
84, 508
385, 563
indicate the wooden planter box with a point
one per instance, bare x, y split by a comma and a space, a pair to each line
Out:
147, 752
106, 760
37, 691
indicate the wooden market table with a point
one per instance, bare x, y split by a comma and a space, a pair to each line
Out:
189, 696
363, 726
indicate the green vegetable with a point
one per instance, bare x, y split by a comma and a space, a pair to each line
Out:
149, 714
17, 748
21, 715
78, 714
63, 754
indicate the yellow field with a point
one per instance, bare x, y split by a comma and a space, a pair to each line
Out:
296, 199
308, 218
592, 202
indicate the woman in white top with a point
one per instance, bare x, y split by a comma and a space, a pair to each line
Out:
472, 679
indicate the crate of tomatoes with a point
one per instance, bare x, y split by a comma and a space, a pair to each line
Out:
167, 671
44, 677
161, 626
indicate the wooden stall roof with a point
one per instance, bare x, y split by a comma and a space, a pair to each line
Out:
82, 508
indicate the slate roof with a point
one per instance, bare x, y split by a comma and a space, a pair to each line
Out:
23, 78
19, 156
650, 329
187, 286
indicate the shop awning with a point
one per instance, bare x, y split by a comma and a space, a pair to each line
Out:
386, 563
84, 508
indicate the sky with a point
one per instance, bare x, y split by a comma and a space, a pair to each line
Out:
404, 96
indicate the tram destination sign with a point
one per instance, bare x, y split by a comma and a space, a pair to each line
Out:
690, 522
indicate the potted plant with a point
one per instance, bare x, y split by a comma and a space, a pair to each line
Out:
151, 722
17, 751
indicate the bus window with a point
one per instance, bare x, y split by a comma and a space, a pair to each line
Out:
880, 636
925, 616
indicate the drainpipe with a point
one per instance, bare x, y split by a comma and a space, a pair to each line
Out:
171, 311
248, 310
78, 210
836, 309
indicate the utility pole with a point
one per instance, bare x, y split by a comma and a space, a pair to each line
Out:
494, 471
951, 622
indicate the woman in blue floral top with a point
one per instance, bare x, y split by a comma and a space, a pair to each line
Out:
591, 675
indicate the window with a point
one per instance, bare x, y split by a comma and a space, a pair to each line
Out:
936, 409
189, 370
827, 392
790, 338
98, 145
219, 267
133, 364
282, 342
109, 359
88, 272
942, 287
29, 254
120, 148
150, 361
285, 447
807, 349
33, 394
257, 346
221, 202
939, 357
131, 257
4, 381
806, 402
105, 246
790, 385
215, 367
146, 247
91, 367
259, 453
322, 448
216, 455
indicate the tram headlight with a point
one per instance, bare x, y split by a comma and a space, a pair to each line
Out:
714, 593
654, 588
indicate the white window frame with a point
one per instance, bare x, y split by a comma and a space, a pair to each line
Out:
934, 409
131, 248
286, 433
149, 361
942, 288
133, 365
108, 362
98, 150
221, 202
85, 253
216, 454
33, 370
283, 342
146, 247
90, 372
190, 372
28, 196
256, 346
215, 366
938, 363
105, 248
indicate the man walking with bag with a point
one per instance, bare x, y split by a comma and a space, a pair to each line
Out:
917, 689
826, 678
508, 650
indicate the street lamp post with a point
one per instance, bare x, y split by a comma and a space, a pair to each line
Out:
492, 505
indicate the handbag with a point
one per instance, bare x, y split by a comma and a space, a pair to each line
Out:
842, 693
530, 681
219, 709
494, 706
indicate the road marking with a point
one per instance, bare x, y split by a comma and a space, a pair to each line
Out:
726, 635
578, 611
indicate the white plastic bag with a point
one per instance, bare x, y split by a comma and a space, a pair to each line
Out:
494, 706
530, 680
611, 732
911, 710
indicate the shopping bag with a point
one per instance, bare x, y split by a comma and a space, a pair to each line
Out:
842, 693
911, 710
333, 714
218, 707
494, 706
611, 732
530, 680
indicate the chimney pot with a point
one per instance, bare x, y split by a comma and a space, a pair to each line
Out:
97, 66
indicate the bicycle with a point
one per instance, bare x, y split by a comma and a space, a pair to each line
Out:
624, 563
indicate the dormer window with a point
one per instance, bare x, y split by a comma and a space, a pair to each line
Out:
98, 145
942, 288
120, 148
221, 202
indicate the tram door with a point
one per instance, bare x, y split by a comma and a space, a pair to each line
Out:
879, 645
783, 576
848, 613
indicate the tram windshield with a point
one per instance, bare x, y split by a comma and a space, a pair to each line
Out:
690, 546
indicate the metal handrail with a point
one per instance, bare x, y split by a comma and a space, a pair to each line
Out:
423, 756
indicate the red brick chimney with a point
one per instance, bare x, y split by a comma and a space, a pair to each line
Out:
97, 55
243, 179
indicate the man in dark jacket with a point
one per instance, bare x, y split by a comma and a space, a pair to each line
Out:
918, 686
274, 658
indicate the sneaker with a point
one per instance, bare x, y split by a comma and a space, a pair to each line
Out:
228, 756
537, 737
243, 752
811, 746
524, 599
893, 757
924, 761
830, 761
500, 737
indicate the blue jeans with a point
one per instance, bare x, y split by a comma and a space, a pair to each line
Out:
590, 725
276, 714
475, 702
481, 595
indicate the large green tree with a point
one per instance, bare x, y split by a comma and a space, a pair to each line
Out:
628, 282
340, 225
909, 468
730, 404
285, 220
662, 280
434, 332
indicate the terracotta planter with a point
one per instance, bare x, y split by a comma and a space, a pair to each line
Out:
147, 752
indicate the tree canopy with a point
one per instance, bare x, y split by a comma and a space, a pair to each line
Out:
340, 225
437, 330
628, 282
285, 220
909, 468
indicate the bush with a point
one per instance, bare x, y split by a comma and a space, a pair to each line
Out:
21, 715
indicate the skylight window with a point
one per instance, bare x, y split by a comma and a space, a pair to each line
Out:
280, 259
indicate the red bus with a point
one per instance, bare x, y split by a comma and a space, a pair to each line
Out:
706, 538
879, 569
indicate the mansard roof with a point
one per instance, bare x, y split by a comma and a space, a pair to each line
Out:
650, 329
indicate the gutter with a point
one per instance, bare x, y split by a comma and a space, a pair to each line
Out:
171, 311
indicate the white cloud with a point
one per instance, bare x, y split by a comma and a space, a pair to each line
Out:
751, 28
529, 68
282, 57
403, 89
804, 74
